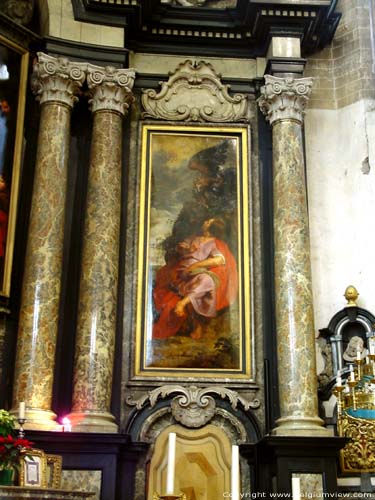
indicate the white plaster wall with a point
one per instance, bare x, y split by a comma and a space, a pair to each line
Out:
341, 190
61, 24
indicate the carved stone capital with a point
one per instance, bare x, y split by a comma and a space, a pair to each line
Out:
194, 92
110, 88
284, 98
56, 79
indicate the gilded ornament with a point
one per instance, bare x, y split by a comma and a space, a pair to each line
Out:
351, 294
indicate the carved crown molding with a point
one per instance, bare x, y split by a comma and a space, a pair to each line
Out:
57, 79
193, 406
234, 28
110, 88
284, 98
194, 92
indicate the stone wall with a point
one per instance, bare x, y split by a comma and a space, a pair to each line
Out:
344, 72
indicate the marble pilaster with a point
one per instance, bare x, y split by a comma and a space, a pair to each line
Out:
55, 82
110, 98
283, 101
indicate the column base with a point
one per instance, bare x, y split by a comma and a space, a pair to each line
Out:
92, 421
39, 420
301, 426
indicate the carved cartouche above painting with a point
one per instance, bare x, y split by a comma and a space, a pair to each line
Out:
194, 92
213, 4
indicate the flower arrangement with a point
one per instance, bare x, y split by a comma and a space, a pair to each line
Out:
11, 446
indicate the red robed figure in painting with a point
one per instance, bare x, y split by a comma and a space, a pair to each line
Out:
200, 281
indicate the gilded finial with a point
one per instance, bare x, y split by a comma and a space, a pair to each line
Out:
351, 296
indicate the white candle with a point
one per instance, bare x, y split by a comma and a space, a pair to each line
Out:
67, 425
21, 411
296, 488
171, 462
352, 376
358, 355
372, 346
235, 473
338, 381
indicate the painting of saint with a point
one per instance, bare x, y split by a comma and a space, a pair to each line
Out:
13, 73
193, 289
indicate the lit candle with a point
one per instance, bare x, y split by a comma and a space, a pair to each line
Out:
67, 425
296, 488
21, 411
235, 473
171, 462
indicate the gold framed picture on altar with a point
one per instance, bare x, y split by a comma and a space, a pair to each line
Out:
53, 471
13, 78
33, 470
193, 314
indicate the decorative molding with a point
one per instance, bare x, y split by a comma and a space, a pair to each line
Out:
110, 88
57, 79
21, 11
183, 26
193, 406
194, 92
284, 98
184, 3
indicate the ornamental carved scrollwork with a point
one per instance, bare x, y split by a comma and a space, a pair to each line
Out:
359, 454
193, 406
194, 92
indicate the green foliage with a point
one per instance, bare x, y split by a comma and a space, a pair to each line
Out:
7, 424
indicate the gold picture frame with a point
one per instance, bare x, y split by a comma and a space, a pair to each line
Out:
33, 470
194, 181
53, 471
14, 61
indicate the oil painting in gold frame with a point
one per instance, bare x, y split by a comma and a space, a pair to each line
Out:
13, 77
193, 313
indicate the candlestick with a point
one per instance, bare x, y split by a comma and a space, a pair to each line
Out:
235, 473
296, 488
21, 411
171, 462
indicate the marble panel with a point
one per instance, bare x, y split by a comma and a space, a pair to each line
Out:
82, 480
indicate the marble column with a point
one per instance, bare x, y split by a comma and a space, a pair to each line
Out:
55, 82
110, 99
283, 101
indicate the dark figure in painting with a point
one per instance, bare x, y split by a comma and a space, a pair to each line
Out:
199, 279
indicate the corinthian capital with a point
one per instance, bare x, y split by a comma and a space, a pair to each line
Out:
56, 79
284, 98
110, 88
